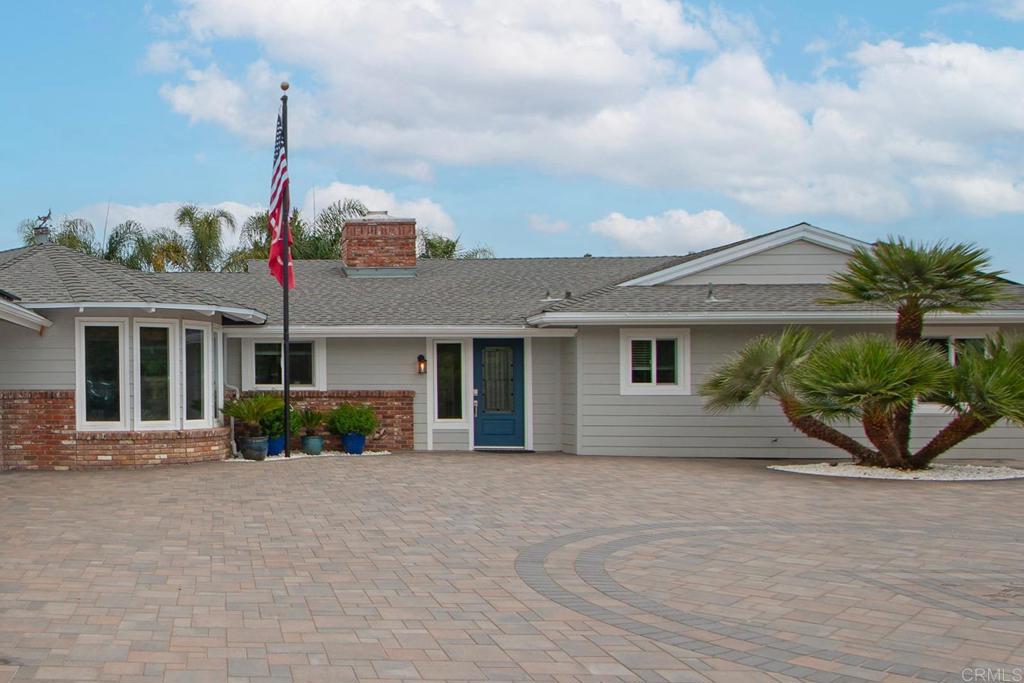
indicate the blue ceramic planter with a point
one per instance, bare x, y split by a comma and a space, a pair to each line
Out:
275, 445
354, 443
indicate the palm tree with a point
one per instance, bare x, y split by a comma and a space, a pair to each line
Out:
914, 280
987, 385
204, 229
436, 246
322, 240
764, 368
869, 378
124, 243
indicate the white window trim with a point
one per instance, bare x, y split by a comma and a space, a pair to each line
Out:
209, 388
951, 334
449, 423
174, 386
682, 385
319, 365
123, 362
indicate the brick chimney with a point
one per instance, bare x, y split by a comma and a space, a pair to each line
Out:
379, 243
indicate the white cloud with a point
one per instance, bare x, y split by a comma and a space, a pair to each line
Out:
543, 223
674, 231
1009, 9
601, 87
428, 213
979, 195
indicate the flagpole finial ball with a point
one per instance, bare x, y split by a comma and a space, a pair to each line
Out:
284, 85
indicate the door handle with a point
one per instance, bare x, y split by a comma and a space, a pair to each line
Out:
476, 404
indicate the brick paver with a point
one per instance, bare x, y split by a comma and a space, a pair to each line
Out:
505, 567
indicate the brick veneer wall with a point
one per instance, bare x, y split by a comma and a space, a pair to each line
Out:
387, 243
393, 408
37, 432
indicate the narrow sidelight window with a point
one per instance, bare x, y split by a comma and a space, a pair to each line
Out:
155, 374
195, 368
102, 346
449, 381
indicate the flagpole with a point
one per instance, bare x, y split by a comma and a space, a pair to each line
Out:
286, 222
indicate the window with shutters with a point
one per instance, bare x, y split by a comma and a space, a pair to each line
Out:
655, 361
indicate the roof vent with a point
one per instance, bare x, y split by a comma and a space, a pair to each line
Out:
711, 298
550, 296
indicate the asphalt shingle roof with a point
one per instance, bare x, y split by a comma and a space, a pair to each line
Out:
443, 292
50, 273
728, 298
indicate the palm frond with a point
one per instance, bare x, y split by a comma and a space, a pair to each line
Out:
868, 374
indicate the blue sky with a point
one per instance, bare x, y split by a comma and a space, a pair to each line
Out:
610, 127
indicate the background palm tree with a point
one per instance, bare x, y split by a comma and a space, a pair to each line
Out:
123, 244
432, 245
204, 235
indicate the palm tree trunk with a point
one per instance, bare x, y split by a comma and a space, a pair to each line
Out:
816, 429
962, 427
881, 431
909, 329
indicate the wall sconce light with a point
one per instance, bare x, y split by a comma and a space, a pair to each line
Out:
421, 364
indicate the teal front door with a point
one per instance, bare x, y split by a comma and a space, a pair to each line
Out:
499, 416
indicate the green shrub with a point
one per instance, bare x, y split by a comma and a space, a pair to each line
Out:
351, 418
308, 420
273, 424
254, 409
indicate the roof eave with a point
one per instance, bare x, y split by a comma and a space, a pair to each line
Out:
754, 317
234, 312
18, 315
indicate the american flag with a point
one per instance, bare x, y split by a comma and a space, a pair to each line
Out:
278, 218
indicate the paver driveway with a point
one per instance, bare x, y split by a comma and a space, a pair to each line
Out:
505, 567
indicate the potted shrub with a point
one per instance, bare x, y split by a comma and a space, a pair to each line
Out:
354, 423
309, 421
273, 427
252, 411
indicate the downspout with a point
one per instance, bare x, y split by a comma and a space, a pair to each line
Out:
234, 447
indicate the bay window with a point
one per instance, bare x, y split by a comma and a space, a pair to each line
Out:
654, 361
100, 382
158, 377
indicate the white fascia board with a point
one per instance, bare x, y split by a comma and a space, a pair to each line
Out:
13, 313
802, 231
246, 314
753, 317
439, 331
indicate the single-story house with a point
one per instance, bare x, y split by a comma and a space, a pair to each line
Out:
105, 366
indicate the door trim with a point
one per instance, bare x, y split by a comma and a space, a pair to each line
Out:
527, 406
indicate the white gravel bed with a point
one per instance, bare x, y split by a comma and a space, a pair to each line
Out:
297, 455
934, 473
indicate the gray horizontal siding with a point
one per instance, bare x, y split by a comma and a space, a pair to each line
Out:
547, 394
451, 440
796, 262
679, 426
569, 394
31, 361
381, 364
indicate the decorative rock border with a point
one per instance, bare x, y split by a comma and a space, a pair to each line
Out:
943, 472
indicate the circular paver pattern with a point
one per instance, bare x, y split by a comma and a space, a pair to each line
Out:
714, 592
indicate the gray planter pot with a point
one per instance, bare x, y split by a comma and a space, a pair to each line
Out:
312, 445
253, 447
